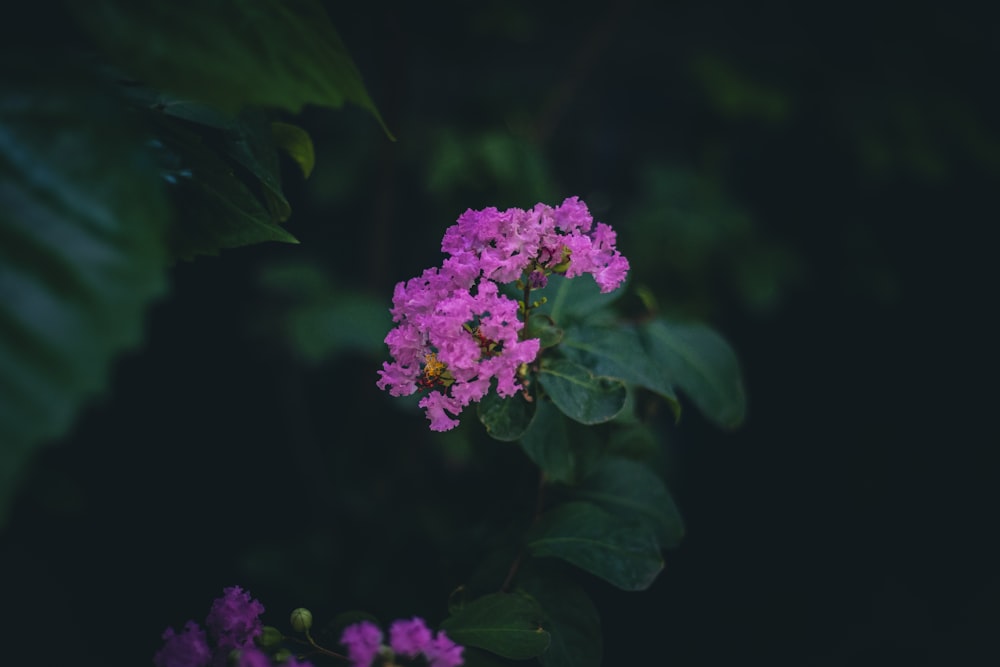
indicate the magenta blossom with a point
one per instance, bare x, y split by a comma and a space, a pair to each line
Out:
233, 622
187, 649
508, 243
454, 343
407, 638
456, 333
363, 641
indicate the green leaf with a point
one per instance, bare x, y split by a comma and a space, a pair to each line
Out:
249, 141
508, 624
702, 364
547, 444
320, 320
631, 490
571, 618
625, 554
617, 352
581, 395
82, 252
297, 143
542, 328
574, 298
214, 208
634, 441
230, 53
505, 418
475, 657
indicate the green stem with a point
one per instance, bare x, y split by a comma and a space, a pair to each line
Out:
527, 304
539, 507
320, 649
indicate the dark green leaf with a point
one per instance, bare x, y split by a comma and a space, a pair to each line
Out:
634, 441
617, 352
476, 657
214, 208
581, 395
505, 418
574, 298
702, 365
631, 490
571, 618
508, 624
82, 252
542, 328
297, 143
625, 554
230, 53
546, 443
249, 141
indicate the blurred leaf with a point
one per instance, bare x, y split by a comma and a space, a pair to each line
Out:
82, 251
542, 328
634, 441
321, 320
505, 418
214, 208
297, 143
508, 624
735, 95
468, 164
547, 444
617, 352
625, 554
571, 618
685, 231
581, 395
230, 53
702, 364
632, 491
571, 299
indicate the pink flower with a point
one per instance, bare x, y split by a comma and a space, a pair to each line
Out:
233, 622
363, 641
442, 652
253, 657
453, 342
187, 649
409, 638
456, 333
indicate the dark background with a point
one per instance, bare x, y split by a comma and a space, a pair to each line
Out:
816, 184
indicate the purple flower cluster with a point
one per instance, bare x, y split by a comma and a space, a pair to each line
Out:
407, 638
233, 622
456, 332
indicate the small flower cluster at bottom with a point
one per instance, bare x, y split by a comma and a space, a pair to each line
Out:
408, 638
233, 623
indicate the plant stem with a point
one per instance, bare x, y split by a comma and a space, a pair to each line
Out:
539, 506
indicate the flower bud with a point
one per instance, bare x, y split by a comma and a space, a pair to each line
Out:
301, 619
269, 637
282, 655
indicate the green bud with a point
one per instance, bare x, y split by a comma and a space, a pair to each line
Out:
269, 637
282, 655
302, 619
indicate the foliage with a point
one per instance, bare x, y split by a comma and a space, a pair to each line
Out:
111, 170
166, 147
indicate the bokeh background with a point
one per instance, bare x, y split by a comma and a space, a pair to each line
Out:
811, 181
